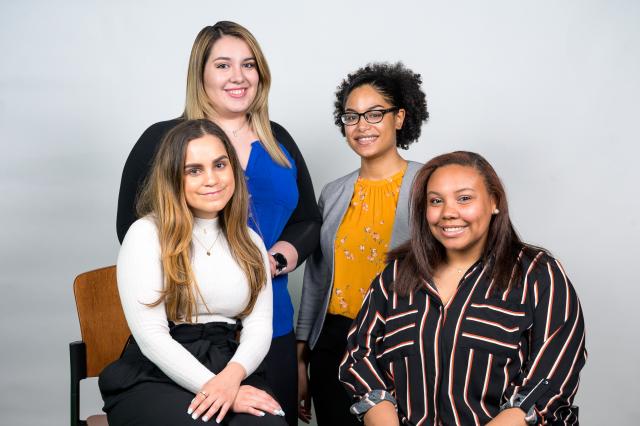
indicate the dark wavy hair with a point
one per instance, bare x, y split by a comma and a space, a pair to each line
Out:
399, 86
423, 253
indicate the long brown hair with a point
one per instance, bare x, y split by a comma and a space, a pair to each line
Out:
197, 103
163, 198
423, 253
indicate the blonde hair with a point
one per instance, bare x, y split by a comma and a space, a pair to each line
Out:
198, 105
163, 198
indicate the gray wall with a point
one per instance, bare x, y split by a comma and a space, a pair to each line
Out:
548, 91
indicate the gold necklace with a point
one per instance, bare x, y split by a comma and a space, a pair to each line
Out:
236, 131
208, 250
460, 270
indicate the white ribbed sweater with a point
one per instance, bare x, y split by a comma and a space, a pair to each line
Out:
222, 285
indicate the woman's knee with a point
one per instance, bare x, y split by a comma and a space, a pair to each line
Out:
243, 419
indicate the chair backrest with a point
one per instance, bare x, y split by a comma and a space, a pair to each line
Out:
102, 323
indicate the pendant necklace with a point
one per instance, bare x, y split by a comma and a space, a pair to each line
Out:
236, 131
207, 250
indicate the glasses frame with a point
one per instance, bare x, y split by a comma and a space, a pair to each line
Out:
364, 115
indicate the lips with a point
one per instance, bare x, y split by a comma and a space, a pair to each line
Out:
213, 194
365, 139
236, 93
452, 231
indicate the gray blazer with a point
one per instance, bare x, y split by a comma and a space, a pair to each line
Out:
318, 273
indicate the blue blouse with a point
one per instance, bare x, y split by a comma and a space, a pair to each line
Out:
273, 194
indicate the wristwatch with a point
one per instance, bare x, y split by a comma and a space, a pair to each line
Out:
531, 417
281, 261
369, 400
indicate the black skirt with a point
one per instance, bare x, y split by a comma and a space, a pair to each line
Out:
135, 391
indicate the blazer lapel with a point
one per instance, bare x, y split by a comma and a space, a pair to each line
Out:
401, 222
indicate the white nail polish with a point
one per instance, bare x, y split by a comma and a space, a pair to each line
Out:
205, 418
189, 411
260, 413
279, 413
195, 416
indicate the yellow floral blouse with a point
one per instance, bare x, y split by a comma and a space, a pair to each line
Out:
362, 241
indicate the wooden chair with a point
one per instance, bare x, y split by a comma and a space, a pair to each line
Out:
104, 333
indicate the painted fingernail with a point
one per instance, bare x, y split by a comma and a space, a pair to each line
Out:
189, 411
279, 413
260, 413
195, 416
205, 418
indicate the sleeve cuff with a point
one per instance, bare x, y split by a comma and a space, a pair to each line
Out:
531, 417
302, 333
369, 400
526, 401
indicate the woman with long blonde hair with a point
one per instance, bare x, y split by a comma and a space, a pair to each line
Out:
228, 82
195, 289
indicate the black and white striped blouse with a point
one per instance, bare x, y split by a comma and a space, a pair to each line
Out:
457, 364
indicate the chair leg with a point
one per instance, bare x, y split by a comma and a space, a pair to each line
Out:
78, 361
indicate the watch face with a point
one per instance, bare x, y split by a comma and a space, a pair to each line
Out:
281, 261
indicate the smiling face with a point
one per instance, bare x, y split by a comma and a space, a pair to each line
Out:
208, 177
230, 76
459, 209
372, 140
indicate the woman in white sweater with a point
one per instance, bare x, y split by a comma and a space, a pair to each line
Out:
194, 288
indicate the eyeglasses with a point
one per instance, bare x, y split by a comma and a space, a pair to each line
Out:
372, 116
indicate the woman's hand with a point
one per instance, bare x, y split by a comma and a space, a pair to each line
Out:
289, 252
255, 401
272, 266
218, 394
304, 396
381, 414
509, 417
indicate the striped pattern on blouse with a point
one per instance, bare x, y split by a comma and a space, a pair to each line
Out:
456, 364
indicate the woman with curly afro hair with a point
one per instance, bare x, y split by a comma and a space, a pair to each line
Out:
379, 108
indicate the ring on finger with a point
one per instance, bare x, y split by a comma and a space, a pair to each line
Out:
203, 393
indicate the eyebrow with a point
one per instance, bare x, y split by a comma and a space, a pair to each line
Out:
377, 106
456, 191
215, 160
226, 58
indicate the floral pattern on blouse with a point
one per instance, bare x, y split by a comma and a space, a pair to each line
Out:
362, 241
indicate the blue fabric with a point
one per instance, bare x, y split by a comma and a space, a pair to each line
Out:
273, 193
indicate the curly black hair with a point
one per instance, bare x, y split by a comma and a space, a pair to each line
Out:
399, 86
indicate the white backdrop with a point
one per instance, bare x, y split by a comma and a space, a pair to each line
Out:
548, 91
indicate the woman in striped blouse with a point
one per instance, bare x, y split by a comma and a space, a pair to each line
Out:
467, 325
